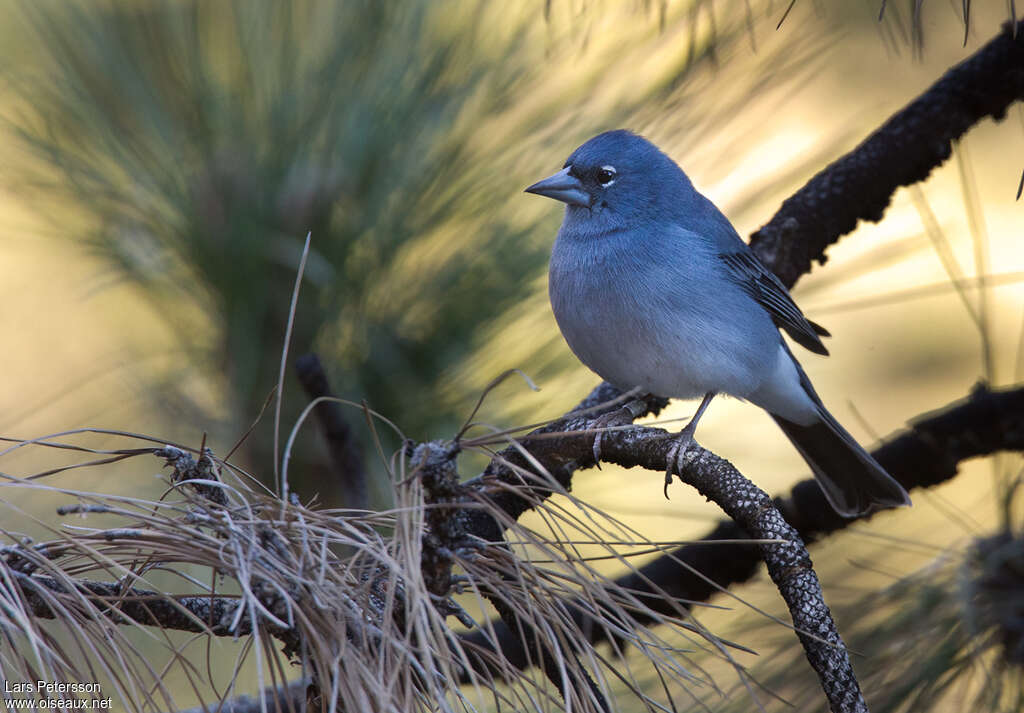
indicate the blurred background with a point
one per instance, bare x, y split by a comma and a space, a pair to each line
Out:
164, 161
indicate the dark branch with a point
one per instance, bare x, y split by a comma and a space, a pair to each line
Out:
900, 153
788, 563
561, 464
927, 454
444, 536
342, 447
126, 605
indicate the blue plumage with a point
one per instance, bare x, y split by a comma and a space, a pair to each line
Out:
653, 288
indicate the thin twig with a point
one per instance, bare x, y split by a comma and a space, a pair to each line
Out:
344, 450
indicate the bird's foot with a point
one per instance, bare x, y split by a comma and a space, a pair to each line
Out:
676, 455
622, 416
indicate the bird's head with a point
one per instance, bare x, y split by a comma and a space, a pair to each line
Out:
615, 180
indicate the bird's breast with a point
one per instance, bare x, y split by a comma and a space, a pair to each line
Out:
646, 315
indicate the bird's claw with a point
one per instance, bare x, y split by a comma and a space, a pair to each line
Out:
597, 449
677, 455
622, 416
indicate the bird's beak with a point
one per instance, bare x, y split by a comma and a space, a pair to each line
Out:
562, 187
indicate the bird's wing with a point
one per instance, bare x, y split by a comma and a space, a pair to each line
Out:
761, 284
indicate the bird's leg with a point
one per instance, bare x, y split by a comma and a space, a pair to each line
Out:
683, 442
622, 416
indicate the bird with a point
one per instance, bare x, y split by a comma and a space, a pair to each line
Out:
655, 291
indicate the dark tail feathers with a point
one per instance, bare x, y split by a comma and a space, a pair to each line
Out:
854, 483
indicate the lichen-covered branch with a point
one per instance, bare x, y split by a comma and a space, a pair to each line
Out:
928, 453
788, 562
902, 152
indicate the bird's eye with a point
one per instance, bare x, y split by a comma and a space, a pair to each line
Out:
606, 176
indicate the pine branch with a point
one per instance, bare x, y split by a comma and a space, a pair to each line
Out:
902, 152
928, 453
